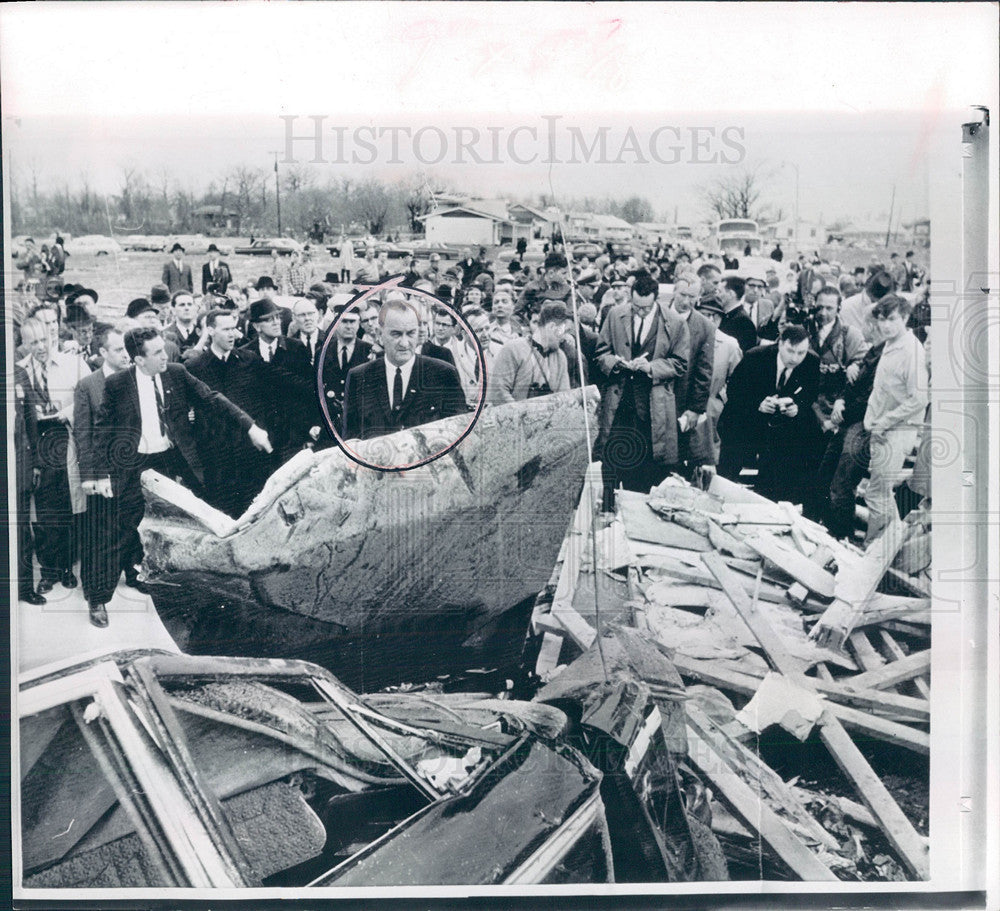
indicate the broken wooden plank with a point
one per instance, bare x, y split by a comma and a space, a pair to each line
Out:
548, 654
643, 524
907, 668
893, 651
871, 726
866, 656
855, 588
898, 829
894, 708
754, 813
797, 565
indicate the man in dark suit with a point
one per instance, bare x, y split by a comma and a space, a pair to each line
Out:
642, 350
771, 393
235, 470
215, 274
183, 329
306, 312
287, 388
146, 314
144, 424
692, 388
100, 521
344, 352
177, 273
403, 389
28, 475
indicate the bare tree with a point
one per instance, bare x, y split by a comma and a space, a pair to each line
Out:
736, 195
369, 204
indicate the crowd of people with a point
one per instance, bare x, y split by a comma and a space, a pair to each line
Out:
813, 379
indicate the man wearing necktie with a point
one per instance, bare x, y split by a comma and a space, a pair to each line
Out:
53, 375
143, 423
403, 389
767, 415
287, 384
344, 352
642, 349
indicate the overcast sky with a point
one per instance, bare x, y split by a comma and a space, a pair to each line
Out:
679, 95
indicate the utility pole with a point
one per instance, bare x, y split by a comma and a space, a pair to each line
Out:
892, 203
277, 192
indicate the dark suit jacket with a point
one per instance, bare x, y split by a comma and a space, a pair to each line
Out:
320, 339
172, 334
434, 392
737, 324
334, 378
88, 397
25, 429
429, 349
288, 395
120, 422
177, 279
222, 279
754, 379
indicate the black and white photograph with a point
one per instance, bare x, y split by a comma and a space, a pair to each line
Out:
502, 450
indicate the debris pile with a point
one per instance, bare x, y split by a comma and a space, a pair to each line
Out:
791, 674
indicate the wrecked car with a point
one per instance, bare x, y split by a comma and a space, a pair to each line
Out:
157, 770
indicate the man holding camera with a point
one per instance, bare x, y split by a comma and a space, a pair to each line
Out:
770, 397
642, 349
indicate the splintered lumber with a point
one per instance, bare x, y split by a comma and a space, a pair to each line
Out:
864, 654
643, 524
898, 829
854, 589
752, 812
895, 672
794, 563
842, 701
896, 653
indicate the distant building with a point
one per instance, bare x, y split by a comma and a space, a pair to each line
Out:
918, 232
600, 228
213, 218
475, 223
811, 233
540, 223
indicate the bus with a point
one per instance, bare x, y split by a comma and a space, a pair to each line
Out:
732, 235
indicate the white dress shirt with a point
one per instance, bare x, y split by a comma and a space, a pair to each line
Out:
151, 440
390, 377
267, 349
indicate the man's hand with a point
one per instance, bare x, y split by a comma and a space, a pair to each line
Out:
830, 427
852, 372
258, 436
790, 410
641, 365
88, 487
314, 433
837, 413
36, 477
769, 405
103, 487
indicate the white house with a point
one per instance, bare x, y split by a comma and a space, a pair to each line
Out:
811, 233
469, 224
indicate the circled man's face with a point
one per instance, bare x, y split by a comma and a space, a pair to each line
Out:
400, 333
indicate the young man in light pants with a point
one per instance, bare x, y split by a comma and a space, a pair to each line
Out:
895, 409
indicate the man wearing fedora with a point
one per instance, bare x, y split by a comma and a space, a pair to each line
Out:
287, 389
177, 273
147, 315
215, 274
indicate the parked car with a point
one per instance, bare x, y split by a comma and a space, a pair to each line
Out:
157, 770
198, 244
145, 243
93, 245
590, 250
423, 250
263, 247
